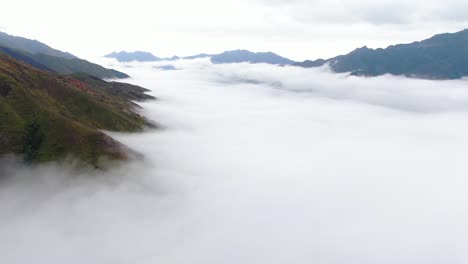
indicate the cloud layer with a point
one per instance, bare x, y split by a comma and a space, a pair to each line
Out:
260, 164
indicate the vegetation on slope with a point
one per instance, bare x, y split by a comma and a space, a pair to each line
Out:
46, 116
69, 66
124, 90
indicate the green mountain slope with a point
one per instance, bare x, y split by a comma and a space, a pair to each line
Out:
124, 90
68, 66
46, 116
24, 57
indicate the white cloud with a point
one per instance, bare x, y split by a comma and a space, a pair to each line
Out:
294, 166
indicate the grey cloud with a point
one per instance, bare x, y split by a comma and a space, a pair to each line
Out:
372, 12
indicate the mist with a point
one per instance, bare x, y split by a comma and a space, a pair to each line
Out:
259, 164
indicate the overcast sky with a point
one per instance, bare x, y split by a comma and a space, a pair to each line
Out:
297, 29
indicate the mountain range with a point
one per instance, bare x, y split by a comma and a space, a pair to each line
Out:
234, 56
143, 56
443, 56
44, 57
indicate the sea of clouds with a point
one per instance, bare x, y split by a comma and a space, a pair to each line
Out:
259, 164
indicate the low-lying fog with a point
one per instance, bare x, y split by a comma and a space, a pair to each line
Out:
260, 164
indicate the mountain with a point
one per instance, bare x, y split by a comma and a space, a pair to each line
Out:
443, 56
124, 56
198, 56
69, 66
46, 116
44, 57
143, 56
24, 57
31, 46
62, 65
237, 56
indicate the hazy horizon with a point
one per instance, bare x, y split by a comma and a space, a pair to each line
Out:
298, 30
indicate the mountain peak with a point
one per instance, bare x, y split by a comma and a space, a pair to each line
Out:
361, 49
242, 55
125, 56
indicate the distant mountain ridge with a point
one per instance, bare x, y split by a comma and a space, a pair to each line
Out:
46, 58
32, 46
144, 56
124, 56
443, 56
238, 56
234, 56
